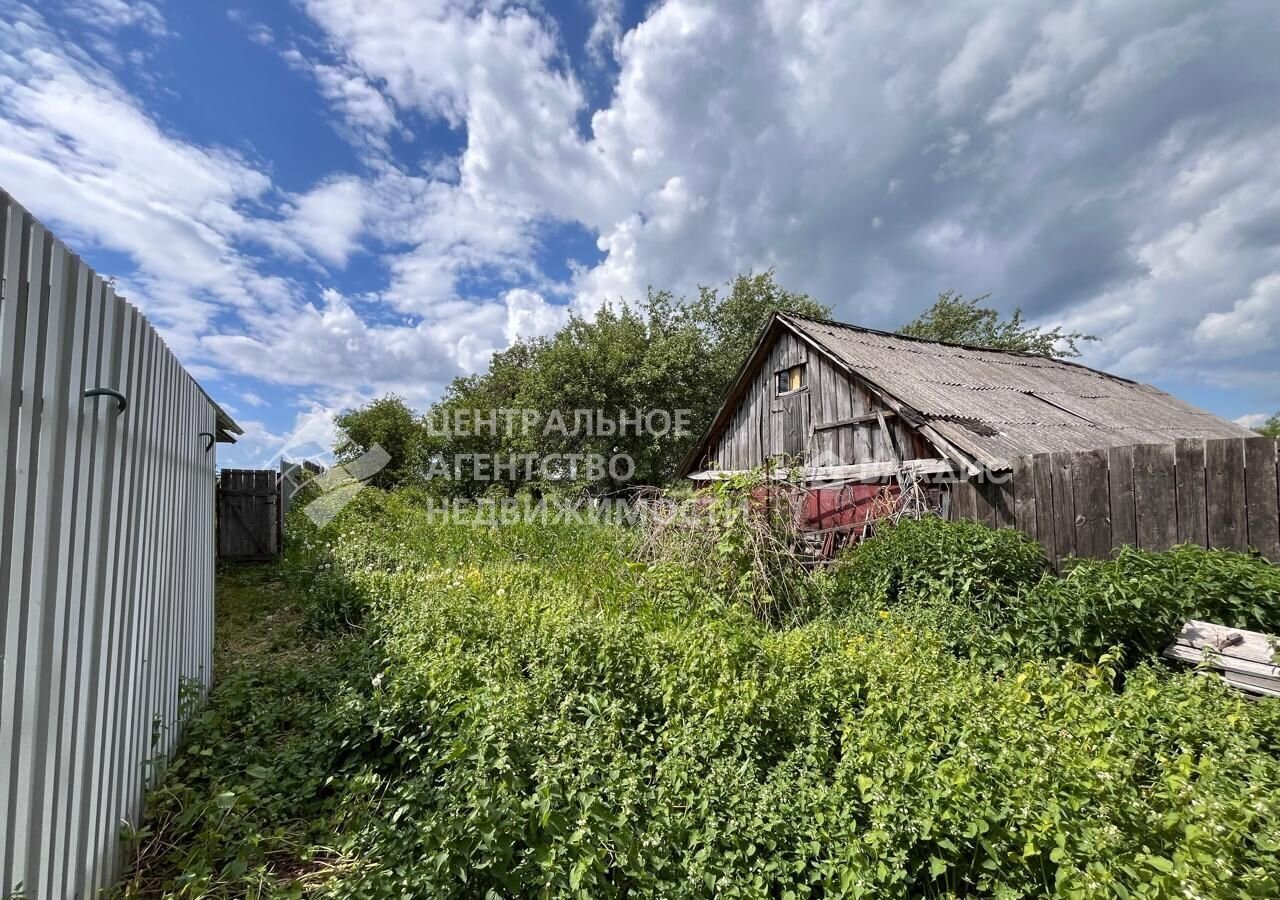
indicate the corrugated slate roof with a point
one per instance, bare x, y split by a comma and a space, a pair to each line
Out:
998, 405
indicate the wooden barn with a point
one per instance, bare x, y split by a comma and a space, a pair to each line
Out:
848, 406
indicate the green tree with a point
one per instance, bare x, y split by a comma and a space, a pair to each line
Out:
634, 359
733, 319
958, 320
390, 423
1271, 427
661, 353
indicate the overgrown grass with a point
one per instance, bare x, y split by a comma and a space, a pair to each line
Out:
527, 711
244, 808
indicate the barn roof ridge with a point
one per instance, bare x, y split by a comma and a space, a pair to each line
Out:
1023, 354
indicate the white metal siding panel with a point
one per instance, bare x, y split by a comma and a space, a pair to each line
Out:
106, 562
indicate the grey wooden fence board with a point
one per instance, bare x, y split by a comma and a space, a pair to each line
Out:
1261, 496
1092, 497
1024, 497
1064, 516
106, 536
1042, 479
1124, 524
1154, 494
1217, 493
1193, 523
1224, 465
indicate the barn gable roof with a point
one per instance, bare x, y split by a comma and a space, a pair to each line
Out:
995, 405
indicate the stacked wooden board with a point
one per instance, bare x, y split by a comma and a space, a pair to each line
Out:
1246, 659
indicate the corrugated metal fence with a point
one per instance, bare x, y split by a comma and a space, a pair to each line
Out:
1212, 493
106, 561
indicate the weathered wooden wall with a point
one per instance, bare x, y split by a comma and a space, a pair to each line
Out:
1218, 493
832, 421
248, 515
106, 562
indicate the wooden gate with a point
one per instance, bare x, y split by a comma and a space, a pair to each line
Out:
248, 515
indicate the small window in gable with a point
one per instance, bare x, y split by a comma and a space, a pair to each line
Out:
791, 379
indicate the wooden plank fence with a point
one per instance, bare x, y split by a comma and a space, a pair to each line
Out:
106, 561
1215, 493
249, 514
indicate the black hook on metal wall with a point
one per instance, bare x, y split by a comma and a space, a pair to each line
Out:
121, 403
209, 445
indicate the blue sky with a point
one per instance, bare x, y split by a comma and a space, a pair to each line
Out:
325, 200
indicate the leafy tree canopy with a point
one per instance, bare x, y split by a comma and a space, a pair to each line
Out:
661, 353
958, 320
390, 423
733, 320
1271, 427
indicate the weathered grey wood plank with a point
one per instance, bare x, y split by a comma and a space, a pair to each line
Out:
1064, 517
1124, 525
1224, 492
1190, 482
844, 407
1155, 504
964, 500
858, 420
1024, 497
1245, 658
1092, 499
982, 511
1002, 504
1042, 479
1261, 498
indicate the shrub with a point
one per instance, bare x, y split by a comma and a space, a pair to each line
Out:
1139, 600
933, 561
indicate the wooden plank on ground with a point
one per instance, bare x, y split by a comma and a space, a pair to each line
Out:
1024, 496
1189, 483
1245, 658
1155, 506
1261, 497
1124, 527
1224, 493
1092, 499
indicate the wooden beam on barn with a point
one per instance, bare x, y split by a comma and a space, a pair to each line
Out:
857, 420
860, 472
